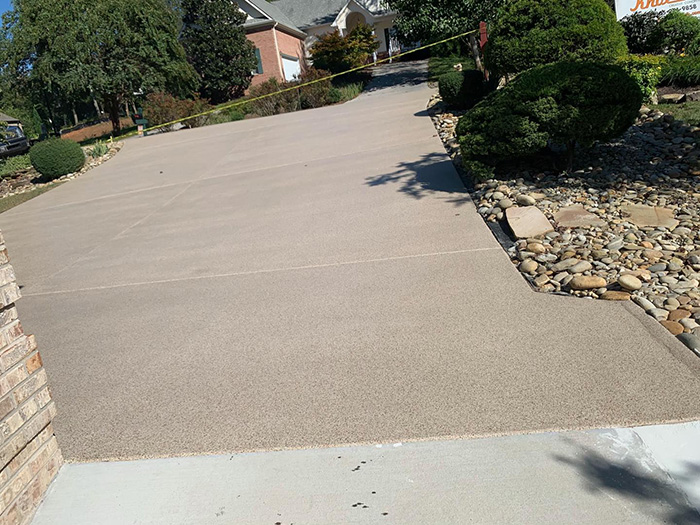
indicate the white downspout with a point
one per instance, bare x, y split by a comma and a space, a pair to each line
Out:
277, 50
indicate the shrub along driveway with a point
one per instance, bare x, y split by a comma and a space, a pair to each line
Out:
310, 279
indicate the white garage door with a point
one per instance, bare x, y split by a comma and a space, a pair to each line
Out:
292, 67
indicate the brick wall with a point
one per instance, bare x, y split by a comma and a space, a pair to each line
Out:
29, 453
265, 41
287, 44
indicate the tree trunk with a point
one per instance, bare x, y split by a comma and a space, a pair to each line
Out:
112, 103
476, 52
75, 115
126, 109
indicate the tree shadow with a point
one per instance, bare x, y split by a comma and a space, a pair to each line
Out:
626, 478
432, 173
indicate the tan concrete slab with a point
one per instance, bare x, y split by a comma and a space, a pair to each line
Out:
341, 291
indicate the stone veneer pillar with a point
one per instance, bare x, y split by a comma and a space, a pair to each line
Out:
29, 454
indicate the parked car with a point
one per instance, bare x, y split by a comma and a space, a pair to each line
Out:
13, 141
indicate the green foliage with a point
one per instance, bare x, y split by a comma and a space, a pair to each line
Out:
280, 103
315, 95
462, 89
161, 108
640, 29
60, 51
645, 71
564, 103
675, 32
529, 33
98, 150
689, 112
439, 65
11, 165
336, 53
680, 71
432, 20
217, 47
56, 157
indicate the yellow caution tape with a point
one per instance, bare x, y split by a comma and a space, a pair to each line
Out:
237, 103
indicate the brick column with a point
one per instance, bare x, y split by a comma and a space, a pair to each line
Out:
29, 454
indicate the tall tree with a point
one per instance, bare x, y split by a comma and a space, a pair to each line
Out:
217, 47
431, 20
63, 50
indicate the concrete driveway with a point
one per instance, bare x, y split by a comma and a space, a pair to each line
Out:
312, 279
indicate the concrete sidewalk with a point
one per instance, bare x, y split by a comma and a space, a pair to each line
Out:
620, 476
312, 279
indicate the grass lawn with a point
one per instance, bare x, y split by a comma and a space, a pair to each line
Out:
14, 200
688, 112
440, 65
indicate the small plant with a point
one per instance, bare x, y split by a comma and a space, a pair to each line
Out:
100, 149
645, 71
529, 33
56, 157
337, 53
315, 95
14, 164
680, 71
675, 32
568, 103
161, 108
639, 30
462, 89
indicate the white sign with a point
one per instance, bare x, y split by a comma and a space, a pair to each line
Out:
625, 8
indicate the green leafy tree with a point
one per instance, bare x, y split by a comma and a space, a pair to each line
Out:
529, 33
217, 47
676, 32
337, 53
432, 20
60, 51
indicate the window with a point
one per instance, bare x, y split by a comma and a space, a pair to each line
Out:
259, 70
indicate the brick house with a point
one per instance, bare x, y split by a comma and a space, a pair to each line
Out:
279, 44
317, 17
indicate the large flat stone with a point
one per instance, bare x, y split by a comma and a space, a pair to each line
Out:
576, 217
641, 215
527, 222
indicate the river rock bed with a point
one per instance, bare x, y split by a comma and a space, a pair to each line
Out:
625, 225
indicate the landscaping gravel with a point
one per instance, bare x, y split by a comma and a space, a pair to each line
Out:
626, 223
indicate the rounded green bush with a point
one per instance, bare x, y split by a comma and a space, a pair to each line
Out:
462, 89
567, 103
530, 33
675, 32
56, 157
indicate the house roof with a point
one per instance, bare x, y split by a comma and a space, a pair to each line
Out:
7, 118
272, 13
309, 13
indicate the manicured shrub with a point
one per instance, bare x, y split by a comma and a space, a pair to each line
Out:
336, 53
529, 33
315, 95
675, 32
279, 103
161, 108
640, 29
680, 71
645, 71
14, 164
56, 157
566, 103
462, 89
